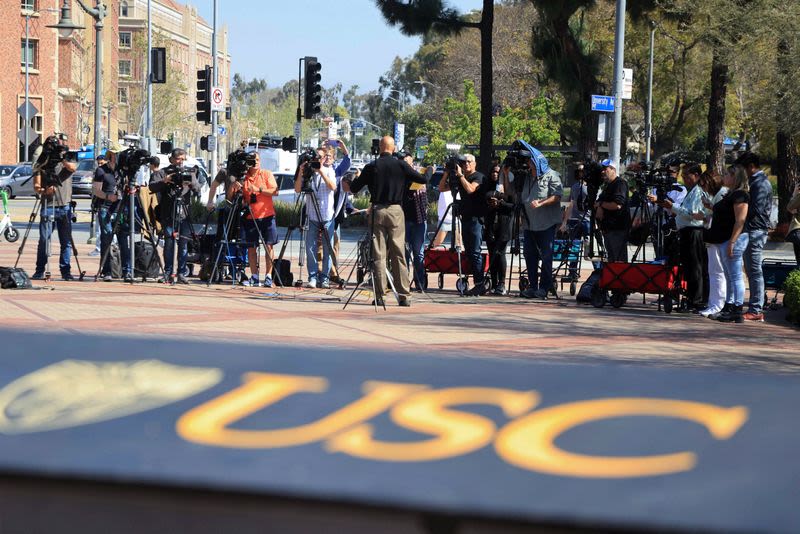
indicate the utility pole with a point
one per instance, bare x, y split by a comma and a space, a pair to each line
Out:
148, 121
648, 128
212, 164
619, 62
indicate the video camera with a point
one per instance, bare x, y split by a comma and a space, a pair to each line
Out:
658, 179
130, 161
516, 161
311, 157
239, 162
54, 153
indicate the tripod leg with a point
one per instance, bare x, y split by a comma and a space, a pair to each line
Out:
31, 219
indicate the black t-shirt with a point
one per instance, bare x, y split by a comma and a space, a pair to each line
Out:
617, 192
105, 175
474, 204
388, 179
724, 217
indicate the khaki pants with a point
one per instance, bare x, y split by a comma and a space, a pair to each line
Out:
389, 239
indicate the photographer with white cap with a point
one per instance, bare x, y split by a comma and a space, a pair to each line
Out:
612, 214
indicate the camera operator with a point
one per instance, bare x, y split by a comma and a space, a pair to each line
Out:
104, 187
52, 181
322, 183
258, 188
541, 197
471, 209
175, 184
339, 198
577, 219
612, 213
497, 230
690, 231
388, 179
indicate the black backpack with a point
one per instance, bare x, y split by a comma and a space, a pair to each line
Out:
14, 278
584, 295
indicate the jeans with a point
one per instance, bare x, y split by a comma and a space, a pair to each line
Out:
472, 235
415, 239
106, 236
61, 219
732, 267
184, 234
753, 257
314, 230
538, 247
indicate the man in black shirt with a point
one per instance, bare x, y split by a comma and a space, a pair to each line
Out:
471, 209
388, 179
612, 214
104, 188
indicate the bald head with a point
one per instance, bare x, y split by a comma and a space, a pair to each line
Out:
387, 144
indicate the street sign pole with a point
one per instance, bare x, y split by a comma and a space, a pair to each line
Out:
648, 128
619, 59
212, 167
27, 142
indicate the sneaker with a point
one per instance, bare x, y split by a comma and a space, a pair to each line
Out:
529, 293
500, 290
405, 303
67, 277
108, 278
182, 280
127, 278
311, 284
709, 311
753, 316
38, 275
268, 281
325, 284
95, 252
254, 281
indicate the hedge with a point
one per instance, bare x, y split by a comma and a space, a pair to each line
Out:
791, 298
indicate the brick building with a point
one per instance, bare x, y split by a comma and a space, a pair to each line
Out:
187, 37
60, 74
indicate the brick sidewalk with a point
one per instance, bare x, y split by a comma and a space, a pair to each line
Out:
438, 323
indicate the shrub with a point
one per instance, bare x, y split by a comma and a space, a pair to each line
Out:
284, 213
198, 213
791, 299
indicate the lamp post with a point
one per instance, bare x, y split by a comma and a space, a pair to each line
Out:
648, 128
65, 28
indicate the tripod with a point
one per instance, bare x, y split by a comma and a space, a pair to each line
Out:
301, 215
232, 226
42, 201
128, 204
461, 283
365, 263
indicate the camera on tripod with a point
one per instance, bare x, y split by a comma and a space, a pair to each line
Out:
131, 160
54, 153
451, 166
655, 179
239, 162
311, 157
516, 161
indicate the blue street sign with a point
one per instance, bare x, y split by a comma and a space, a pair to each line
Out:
221, 130
602, 103
359, 125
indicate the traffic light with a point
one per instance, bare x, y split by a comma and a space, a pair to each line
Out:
289, 144
204, 95
204, 143
313, 88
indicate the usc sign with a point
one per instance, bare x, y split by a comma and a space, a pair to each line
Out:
527, 441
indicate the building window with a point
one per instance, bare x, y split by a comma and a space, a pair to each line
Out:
28, 5
125, 67
124, 39
122, 95
123, 9
30, 53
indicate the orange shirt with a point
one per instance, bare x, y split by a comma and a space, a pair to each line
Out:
262, 207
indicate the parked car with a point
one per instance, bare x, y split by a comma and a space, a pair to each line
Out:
83, 176
17, 180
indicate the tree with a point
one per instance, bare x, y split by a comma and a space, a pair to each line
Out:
423, 16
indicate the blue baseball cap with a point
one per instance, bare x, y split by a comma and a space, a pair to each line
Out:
608, 163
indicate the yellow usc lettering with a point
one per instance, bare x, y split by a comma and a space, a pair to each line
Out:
208, 424
426, 412
527, 441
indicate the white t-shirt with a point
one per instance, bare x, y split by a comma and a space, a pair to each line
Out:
324, 196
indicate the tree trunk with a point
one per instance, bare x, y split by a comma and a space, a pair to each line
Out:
487, 89
716, 113
786, 163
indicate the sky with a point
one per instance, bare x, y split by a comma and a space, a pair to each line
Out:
349, 38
